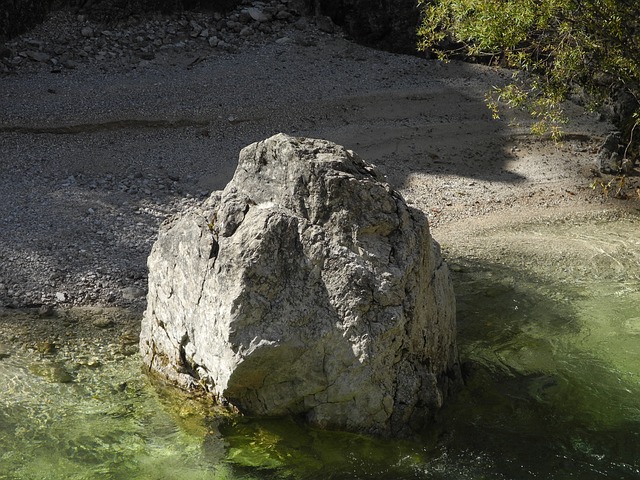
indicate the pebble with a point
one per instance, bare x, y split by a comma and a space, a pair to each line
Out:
132, 293
38, 56
103, 322
46, 311
258, 15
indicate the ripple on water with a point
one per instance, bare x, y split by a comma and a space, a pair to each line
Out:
549, 329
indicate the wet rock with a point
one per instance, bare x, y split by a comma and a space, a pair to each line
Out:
46, 347
92, 362
53, 372
129, 338
306, 287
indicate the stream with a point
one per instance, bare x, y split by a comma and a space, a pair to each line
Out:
549, 335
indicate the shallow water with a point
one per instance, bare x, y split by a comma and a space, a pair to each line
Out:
549, 330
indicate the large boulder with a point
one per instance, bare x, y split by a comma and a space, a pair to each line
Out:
306, 287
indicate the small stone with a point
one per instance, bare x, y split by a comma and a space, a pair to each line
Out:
258, 15
103, 322
38, 56
325, 24
132, 293
627, 166
46, 347
246, 31
244, 17
129, 338
213, 41
283, 41
93, 362
61, 296
86, 32
45, 311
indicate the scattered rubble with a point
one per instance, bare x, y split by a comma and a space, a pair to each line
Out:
67, 40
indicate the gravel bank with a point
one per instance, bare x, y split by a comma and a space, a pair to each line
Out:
97, 148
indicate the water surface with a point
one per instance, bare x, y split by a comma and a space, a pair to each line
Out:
549, 333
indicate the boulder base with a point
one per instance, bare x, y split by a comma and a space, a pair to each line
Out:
306, 287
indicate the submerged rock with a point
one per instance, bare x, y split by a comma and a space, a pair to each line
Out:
306, 287
53, 372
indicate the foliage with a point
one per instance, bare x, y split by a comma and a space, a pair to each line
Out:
558, 48
618, 186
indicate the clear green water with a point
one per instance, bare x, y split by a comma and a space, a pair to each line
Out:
549, 330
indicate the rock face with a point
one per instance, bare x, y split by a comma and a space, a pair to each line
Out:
306, 287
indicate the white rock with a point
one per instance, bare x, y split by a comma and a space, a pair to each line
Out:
306, 287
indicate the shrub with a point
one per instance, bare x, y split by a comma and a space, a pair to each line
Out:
558, 48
